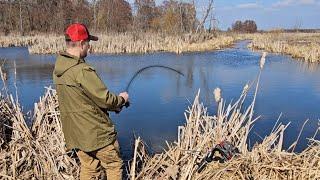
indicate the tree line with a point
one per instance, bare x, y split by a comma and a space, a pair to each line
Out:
33, 16
248, 26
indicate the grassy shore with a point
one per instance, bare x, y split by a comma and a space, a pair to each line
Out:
38, 152
126, 43
304, 46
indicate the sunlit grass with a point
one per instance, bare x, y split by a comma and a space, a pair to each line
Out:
125, 43
305, 46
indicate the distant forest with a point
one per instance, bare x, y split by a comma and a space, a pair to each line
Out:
52, 16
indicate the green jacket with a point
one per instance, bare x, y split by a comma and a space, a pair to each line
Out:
84, 101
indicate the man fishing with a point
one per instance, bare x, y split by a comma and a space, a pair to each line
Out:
84, 101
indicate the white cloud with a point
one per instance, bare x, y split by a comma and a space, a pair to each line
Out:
244, 6
283, 3
248, 6
307, 1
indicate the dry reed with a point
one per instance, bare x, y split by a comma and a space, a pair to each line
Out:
13, 41
38, 152
305, 46
125, 43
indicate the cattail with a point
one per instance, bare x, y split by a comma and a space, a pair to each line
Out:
228, 110
263, 59
3, 75
245, 89
217, 94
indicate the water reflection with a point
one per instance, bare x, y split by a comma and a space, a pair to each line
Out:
159, 97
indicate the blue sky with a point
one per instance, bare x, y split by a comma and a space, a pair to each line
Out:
268, 14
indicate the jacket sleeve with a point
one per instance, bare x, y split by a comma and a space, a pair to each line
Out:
95, 89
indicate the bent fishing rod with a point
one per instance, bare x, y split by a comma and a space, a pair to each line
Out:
127, 104
148, 67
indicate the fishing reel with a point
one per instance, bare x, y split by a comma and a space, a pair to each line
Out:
222, 152
127, 104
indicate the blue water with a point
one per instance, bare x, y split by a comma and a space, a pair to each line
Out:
159, 97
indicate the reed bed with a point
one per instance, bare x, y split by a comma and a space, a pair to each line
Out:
305, 46
14, 41
37, 152
146, 43
126, 43
232, 122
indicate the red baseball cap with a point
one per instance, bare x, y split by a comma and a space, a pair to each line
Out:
78, 32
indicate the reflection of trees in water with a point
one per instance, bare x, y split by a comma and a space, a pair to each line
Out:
189, 69
189, 73
4, 68
119, 69
28, 70
204, 75
309, 66
35, 71
113, 69
178, 85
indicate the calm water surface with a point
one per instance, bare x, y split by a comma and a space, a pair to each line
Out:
159, 97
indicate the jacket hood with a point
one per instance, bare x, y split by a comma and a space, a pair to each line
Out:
64, 62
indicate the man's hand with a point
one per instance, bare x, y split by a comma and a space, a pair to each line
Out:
125, 96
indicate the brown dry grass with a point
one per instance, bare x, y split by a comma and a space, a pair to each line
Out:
125, 43
38, 152
305, 46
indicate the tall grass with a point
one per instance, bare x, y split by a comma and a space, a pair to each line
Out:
125, 43
305, 46
13, 41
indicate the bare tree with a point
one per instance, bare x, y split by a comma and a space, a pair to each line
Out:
145, 13
94, 2
33, 16
213, 23
298, 24
20, 16
113, 15
248, 26
205, 16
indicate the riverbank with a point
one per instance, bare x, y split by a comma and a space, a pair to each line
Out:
126, 43
304, 46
